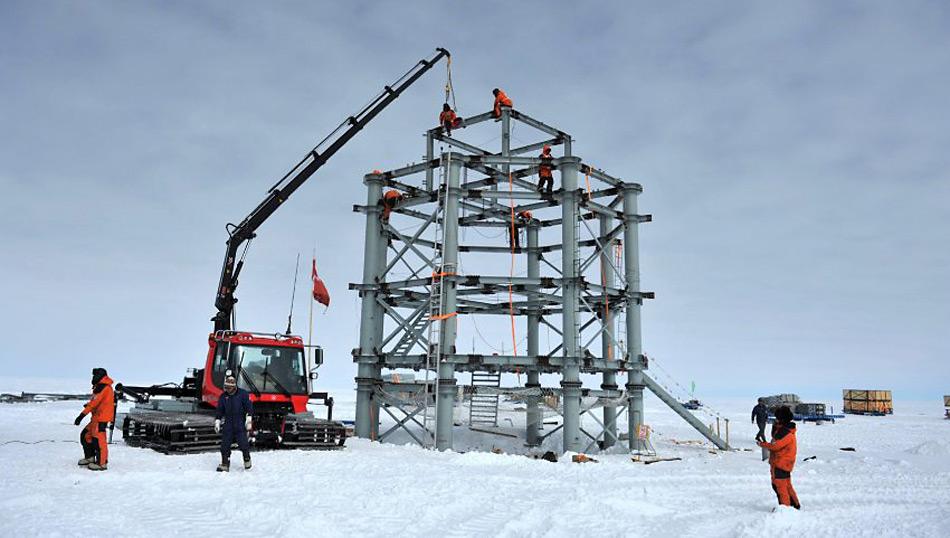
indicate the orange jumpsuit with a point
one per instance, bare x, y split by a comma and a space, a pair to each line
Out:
545, 175
95, 442
782, 452
501, 100
390, 198
448, 119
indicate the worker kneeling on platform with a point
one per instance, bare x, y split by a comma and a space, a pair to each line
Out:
95, 443
236, 409
782, 452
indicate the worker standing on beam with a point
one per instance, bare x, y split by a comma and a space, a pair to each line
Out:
101, 406
546, 170
234, 406
448, 119
500, 100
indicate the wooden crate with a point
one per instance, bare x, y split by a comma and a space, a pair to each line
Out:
861, 401
946, 401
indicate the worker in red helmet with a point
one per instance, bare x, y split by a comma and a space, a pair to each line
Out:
235, 409
101, 408
448, 119
782, 453
390, 199
501, 99
546, 170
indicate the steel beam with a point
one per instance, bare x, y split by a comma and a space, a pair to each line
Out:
635, 377
570, 374
669, 400
607, 348
370, 315
445, 392
533, 416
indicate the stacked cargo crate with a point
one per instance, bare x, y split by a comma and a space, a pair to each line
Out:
868, 402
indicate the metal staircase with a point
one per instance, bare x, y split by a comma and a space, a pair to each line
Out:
483, 410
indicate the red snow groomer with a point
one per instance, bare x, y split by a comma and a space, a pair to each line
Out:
271, 367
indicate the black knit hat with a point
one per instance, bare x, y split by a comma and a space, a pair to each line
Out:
98, 374
784, 414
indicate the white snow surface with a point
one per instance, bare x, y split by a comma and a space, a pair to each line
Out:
895, 483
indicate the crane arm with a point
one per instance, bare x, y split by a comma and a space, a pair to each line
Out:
242, 233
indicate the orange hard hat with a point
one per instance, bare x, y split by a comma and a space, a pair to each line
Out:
546, 148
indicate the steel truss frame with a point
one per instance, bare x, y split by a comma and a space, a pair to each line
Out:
589, 302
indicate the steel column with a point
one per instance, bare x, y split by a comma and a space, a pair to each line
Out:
505, 140
570, 373
445, 398
634, 346
370, 315
607, 336
430, 154
533, 415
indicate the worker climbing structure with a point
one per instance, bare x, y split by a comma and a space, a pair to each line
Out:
417, 294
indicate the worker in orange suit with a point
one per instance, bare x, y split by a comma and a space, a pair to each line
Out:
448, 119
545, 170
500, 100
521, 220
782, 452
101, 407
390, 199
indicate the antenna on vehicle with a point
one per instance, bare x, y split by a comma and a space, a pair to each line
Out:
290, 317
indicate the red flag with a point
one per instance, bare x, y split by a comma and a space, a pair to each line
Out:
320, 293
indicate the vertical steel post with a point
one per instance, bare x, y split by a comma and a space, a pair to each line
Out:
430, 154
445, 403
631, 255
505, 139
606, 340
382, 249
533, 415
570, 371
371, 313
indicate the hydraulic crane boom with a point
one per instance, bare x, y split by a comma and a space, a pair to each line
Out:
243, 233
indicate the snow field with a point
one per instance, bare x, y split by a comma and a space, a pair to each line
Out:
896, 483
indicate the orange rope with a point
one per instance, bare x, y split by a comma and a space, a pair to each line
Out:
511, 275
587, 179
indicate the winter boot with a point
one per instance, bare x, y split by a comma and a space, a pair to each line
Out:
247, 460
86, 461
225, 465
93, 466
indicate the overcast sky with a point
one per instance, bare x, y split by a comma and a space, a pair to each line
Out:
795, 159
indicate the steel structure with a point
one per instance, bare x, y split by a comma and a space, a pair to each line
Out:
591, 299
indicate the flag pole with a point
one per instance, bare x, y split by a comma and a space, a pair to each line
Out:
310, 335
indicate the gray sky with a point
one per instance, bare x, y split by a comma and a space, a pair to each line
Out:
794, 158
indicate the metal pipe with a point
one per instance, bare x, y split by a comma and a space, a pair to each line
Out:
533, 418
570, 373
445, 397
370, 316
505, 140
635, 377
430, 154
607, 348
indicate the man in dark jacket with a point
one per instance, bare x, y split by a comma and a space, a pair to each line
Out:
782, 453
234, 406
760, 417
